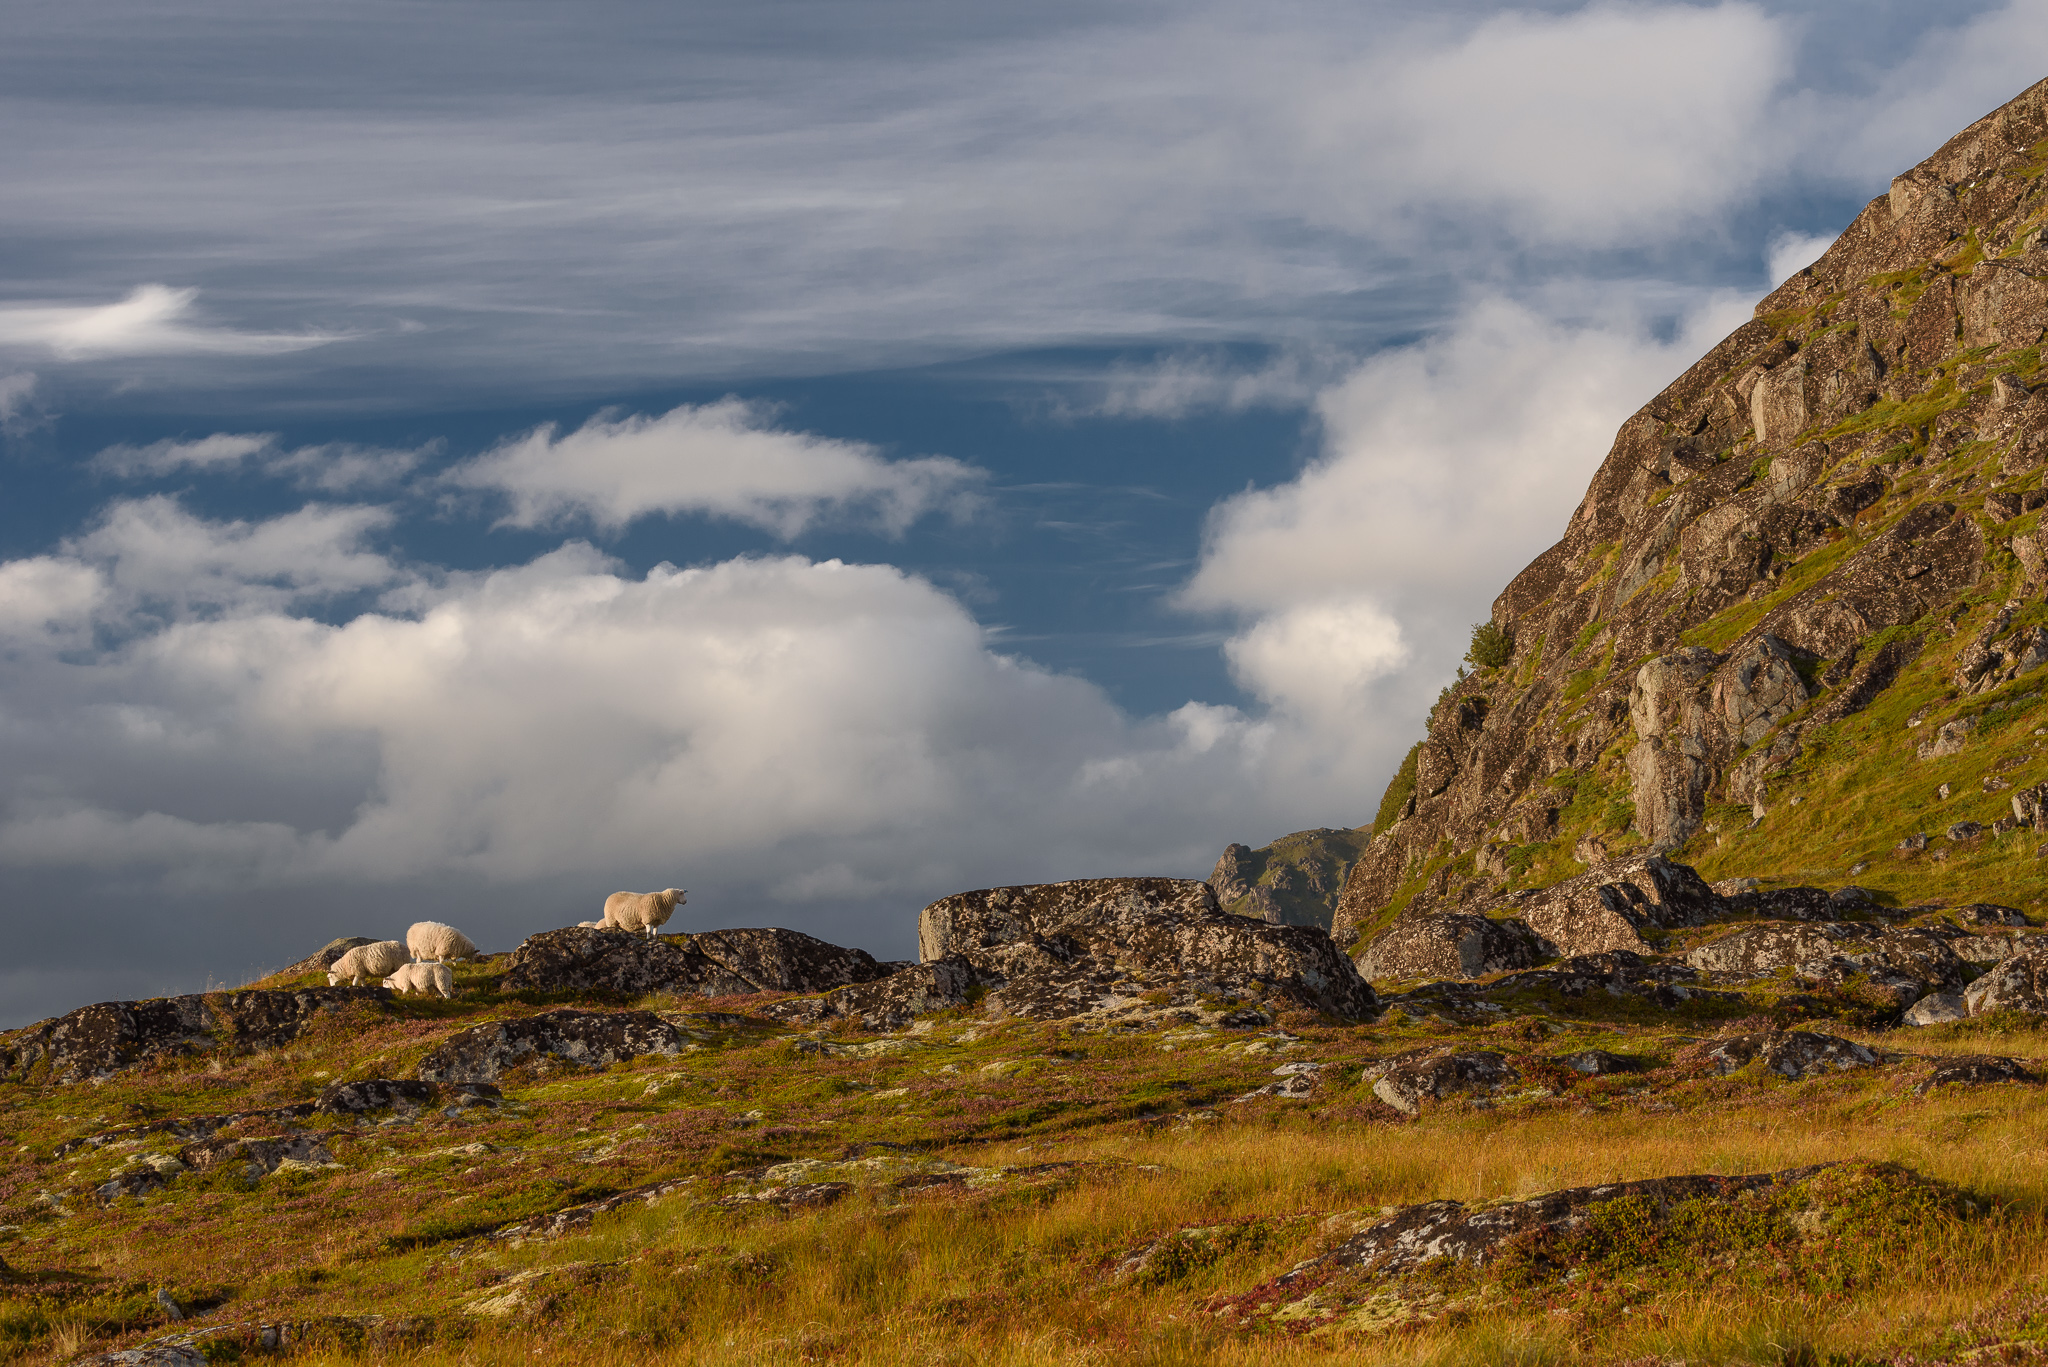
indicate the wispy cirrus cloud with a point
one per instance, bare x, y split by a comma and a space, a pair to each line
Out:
153, 320
329, 467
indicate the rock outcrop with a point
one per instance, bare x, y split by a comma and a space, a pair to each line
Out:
1448, 947
886, 1003
104, 1038
1410, 1082
1791, 1053
717, 963
1053, 950
1802, 520
1907, 965
2019, 983
590, 1039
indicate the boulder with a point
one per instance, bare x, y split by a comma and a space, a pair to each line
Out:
403, 1095
1974, 1070
1787, 904
2017, 983
1585, 915
886, 1003
1989, 914
149, 1355
1410, 1082
1937, 1008
100, 1040
1447, 946
1054, 950
1906, 964
1759, 687
716, 963
1791, 1053
259, 1157
592, 1039
1597, 1062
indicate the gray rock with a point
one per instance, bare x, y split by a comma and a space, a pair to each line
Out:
150, 1355
1948, 739
1055, 950
1419, 1234
1974, 1070
1759, 687
1410, 1082
1792, 1053
1645, 891
1937, 1008
1597, 1062
100, 1040
887, 1003
404, 1095
1912, 844
592, 1039
1989, 914
1787, 904
716, 963
1447, 946
1965, 830
2017, 983
258, 1157
1906, 964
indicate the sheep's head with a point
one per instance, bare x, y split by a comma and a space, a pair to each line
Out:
675, 897
333, 978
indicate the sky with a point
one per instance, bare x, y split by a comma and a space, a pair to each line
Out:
461, 460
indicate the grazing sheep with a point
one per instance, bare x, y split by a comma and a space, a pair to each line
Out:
421, 978
377, 960
643, 911
430, 940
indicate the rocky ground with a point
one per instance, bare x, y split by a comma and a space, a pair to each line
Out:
1134, 1125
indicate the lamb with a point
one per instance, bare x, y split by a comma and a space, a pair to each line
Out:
430, 940
375, 960
422, 977
643, 911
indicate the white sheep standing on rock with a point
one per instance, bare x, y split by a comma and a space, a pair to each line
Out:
643, 911
376, 960
423, 978
431, 941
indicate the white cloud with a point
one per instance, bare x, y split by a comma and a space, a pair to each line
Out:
721, 458
1446, 466
1572, 128
807, 730
330, 467
154, 320
47, 593
155, 552
1190, 383
1790, 253
16, 393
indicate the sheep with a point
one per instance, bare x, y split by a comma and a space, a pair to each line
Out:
432, 941
422, 977
644, 911
375, 960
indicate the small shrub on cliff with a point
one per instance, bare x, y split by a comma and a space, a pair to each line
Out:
1491, 646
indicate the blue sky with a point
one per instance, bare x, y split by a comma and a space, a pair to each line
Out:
457, 461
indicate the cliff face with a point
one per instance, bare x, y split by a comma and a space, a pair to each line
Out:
1839, 496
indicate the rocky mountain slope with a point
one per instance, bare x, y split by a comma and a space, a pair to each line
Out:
1797, 618
1293, 881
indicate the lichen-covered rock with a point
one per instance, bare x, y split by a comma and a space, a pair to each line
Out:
1906, 964
1989, 914
259, 1157
2017, 983
886, 1003
400, 1094
592, 1039
1597, 1062
1791, 1053
1447, 946
716, 963
102, 1039
1410, 1082
1054, 950
1974, 1070
1937, 1008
